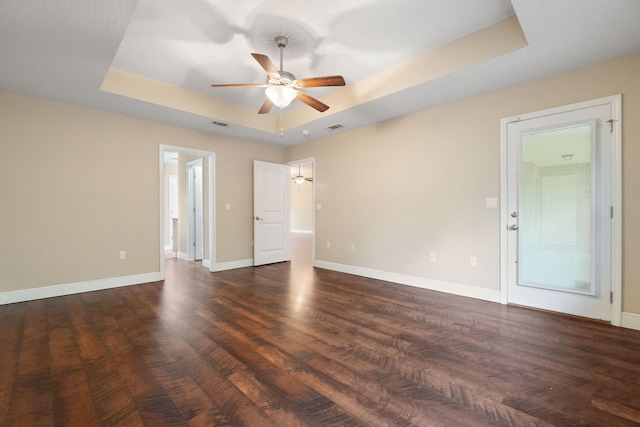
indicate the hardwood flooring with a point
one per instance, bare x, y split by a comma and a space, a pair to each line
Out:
289, 345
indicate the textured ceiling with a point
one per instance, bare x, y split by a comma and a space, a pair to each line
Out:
156, 59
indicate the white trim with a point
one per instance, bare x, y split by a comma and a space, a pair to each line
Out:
76, 288
183, 256
302, 231
206, 263
231, 265
418, 282
616, 203
168, 247
630, 320
615, 101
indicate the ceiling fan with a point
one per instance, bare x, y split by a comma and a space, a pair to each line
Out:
301, 179
283, 87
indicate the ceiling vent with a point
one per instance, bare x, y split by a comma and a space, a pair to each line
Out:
334, 127
221, 124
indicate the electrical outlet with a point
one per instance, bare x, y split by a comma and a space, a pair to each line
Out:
353, 247
123, 254
328, 244
473, 261
432, 256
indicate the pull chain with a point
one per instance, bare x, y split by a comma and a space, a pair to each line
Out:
281, 125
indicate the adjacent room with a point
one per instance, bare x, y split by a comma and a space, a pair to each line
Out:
376, 212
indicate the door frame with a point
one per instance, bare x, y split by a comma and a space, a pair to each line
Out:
311, 160
615, 103
210, 158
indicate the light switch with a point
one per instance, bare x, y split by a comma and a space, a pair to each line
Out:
319, 206
227, 206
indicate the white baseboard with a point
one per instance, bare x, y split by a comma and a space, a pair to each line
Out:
242, 263
206, 263
302, 231
183, 256
168, 247
419, 282
630, 320
76, 288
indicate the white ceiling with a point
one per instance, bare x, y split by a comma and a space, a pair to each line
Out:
63, 50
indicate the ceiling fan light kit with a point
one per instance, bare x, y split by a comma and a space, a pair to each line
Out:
282, 86
281, 96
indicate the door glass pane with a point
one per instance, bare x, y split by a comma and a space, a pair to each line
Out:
555, 209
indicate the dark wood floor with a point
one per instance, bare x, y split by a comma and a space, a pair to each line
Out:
290, 345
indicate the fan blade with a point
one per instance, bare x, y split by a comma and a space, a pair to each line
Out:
240, 85
268, 66
322, 81
309, 179
312, 102
266, 107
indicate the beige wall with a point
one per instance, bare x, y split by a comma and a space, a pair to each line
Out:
78, 185
423, 178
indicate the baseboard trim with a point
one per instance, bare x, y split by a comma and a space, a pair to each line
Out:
76, 288
419, 282
302, 231
630, 320
231, 265
183, 256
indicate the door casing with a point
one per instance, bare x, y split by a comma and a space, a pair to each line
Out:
210, 239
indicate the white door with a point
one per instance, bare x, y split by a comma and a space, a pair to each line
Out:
195, 221
559, 212
271, 219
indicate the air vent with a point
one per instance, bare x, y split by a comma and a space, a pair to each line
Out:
334, 127
221, 124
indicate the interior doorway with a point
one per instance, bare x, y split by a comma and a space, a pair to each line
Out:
303, 209
183, 162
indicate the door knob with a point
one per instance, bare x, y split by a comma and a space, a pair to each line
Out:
512, 227
258, 218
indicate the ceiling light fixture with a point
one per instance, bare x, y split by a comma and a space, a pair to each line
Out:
281, 95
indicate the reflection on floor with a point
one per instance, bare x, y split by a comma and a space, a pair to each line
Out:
301, 249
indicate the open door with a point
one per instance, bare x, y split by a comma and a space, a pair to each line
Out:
271, 219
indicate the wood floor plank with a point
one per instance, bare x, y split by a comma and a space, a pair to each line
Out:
32, 403
12, 322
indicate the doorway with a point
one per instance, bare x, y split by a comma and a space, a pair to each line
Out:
202, 162
303, 210
561, 192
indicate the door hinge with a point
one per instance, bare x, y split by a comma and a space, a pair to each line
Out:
611, 212
610, 121
611, 297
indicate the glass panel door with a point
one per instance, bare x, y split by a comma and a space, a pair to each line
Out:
558, 212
